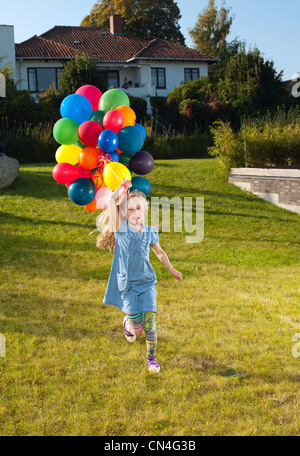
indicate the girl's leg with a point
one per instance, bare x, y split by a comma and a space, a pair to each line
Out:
133, 326
151, 340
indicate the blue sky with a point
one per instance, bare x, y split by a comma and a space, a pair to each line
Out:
271, 25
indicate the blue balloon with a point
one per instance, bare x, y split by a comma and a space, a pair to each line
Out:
108, 141
131, 140
82, 191
142, 129
76, 107
114, 156
142, 184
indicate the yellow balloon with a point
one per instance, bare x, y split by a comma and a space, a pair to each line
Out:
68, 154
114, 173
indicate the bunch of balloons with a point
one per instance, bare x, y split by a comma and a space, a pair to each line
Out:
100, 146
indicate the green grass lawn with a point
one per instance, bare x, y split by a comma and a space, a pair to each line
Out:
225, 332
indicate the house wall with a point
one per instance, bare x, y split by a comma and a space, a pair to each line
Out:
175, 74
7, 46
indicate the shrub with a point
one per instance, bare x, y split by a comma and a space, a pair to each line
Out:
27, 143
178, 146
139, 105
270, 141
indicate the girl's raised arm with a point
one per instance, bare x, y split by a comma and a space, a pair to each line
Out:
112, 205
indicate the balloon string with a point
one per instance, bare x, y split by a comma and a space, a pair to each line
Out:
106, 164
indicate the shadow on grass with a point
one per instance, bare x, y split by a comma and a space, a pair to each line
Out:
37, 184
19, 220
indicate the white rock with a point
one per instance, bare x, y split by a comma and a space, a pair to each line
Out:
9, 170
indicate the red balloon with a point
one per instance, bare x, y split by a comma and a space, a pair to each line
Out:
113, 120
92, 93
65, 173
88, 133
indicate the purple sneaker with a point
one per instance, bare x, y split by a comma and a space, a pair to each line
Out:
153, 365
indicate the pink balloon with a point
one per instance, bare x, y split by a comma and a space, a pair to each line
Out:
65, 173
113, 120
102, 197
92, 93
88, 133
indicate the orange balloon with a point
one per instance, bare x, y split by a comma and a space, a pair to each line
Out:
89, 158
92, 207
98, 179
128, 114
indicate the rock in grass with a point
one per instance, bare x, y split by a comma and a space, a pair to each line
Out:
9, 169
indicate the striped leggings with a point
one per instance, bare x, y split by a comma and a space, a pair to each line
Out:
146, 321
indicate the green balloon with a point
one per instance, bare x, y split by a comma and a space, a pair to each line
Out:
65, 131
97, 116
113, 98
124, 159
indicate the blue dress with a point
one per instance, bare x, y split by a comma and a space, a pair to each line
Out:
132, 279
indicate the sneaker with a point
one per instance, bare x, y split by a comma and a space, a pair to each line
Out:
153, 365
129, 337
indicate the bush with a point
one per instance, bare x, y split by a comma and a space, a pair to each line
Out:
139, 105
269, 142
81, 71
178, 146
27, 143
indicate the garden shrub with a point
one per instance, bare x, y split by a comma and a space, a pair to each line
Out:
269, 142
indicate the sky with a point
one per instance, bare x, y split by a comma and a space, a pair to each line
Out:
270, 25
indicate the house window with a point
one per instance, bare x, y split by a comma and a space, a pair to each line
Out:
112, 78
158, 77
191, 74
42, 78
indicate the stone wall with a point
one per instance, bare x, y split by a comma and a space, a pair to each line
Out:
279, 186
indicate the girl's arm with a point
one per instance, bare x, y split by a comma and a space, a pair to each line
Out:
112, 205
163, 257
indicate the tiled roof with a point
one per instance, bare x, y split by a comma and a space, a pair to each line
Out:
38, 47
66, 42
166, 50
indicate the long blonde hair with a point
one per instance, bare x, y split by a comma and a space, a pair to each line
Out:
106, 238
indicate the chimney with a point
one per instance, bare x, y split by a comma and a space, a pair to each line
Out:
116, 25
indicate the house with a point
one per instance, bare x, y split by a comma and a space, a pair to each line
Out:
141, 68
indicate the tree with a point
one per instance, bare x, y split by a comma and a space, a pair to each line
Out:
211, 29
251, 84
81, 71
147, 19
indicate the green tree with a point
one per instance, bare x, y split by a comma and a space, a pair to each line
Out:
80, 71
147, 19
211, 29
251, 84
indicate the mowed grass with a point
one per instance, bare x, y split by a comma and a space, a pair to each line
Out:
225, 332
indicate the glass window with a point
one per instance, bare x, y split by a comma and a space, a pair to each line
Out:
112, 78
191, 74
42, 78
158, 77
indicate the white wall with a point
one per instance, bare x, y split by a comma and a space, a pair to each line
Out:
7, 46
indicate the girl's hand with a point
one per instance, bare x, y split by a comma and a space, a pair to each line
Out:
176, 274
126, 183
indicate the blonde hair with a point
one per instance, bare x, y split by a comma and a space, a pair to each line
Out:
106, 238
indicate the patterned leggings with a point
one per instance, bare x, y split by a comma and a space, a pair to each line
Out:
146, 321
